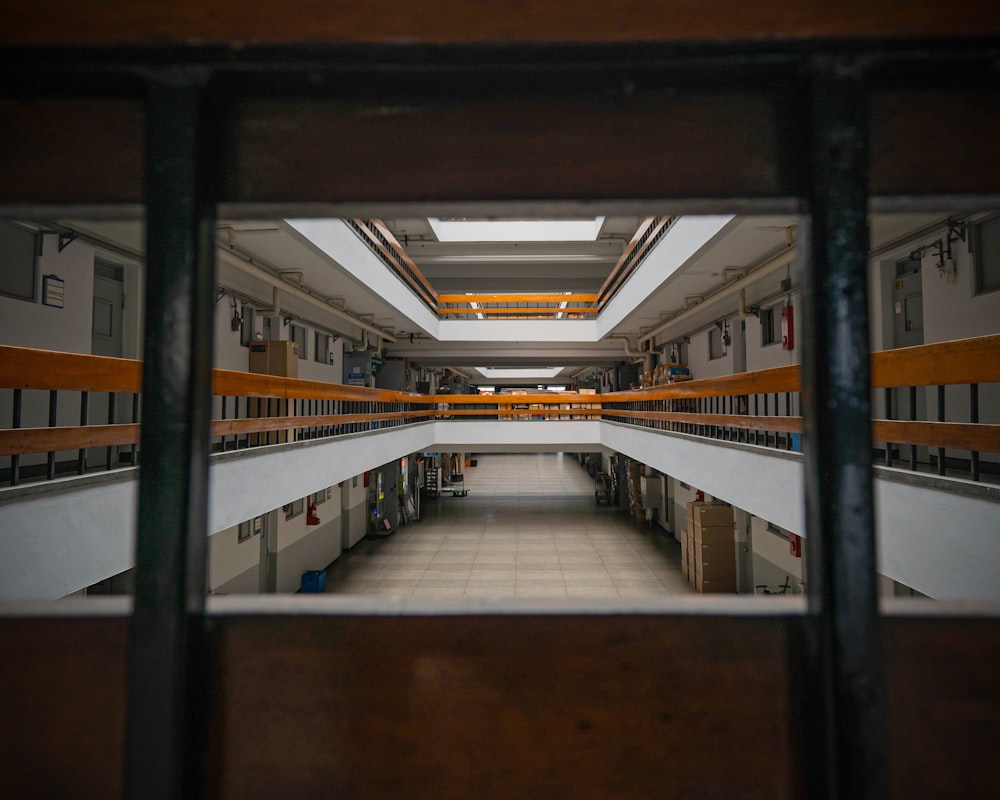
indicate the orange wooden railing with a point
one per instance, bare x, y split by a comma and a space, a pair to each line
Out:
319, 408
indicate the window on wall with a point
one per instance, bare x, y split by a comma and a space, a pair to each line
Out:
715, 346
320, 497
984, 243
18, 261
297, 334
908, 265
249, 317
294, 509
321, 351
252, 527
769, 326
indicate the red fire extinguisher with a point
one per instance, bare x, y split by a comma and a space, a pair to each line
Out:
311, 518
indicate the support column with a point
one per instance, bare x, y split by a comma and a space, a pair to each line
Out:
166, 730
846, 731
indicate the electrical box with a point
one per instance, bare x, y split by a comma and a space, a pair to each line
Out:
787, 328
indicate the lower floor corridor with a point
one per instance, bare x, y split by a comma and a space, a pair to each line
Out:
529, 527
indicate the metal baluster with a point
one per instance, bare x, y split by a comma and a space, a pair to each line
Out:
50, 463
767, 413
940, 416
112, 402
974, 417
913, 416
15, 458
134, 452
756, 413
223, 417
887, 394
81, 458
788, 413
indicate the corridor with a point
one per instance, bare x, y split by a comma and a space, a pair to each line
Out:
528, 528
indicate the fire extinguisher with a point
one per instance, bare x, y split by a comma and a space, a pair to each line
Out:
311, 516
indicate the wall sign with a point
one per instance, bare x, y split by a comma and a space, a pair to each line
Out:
53, 291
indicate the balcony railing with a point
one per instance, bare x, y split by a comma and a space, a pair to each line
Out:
759, 408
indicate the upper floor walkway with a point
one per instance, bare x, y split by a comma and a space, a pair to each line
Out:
68, 514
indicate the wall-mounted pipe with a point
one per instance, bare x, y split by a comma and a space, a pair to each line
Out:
780, 261
289, 288
647, 357
744, 312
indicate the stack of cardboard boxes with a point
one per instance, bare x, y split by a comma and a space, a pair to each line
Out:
272, 358
708, 553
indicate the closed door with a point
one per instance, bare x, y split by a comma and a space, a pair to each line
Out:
106, 340
908, 331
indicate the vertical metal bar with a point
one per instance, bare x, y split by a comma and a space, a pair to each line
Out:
111, 421
223, 416
788, 413
913, 416
974, 417
166, 723
50, 465
15, 459
940, 416
848, 745
135, 418
81, 458
888, 415
767, 413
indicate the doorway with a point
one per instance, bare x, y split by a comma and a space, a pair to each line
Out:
106, 340
908, 331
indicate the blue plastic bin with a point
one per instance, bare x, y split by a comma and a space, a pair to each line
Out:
314, 581
797, 442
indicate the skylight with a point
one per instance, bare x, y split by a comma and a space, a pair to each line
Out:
535, 373
516, 230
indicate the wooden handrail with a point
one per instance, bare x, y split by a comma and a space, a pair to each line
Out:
512, 311
965, 361
30, 368
974, 360
628, 261
412, 274
230, 383
519, 297
765, 381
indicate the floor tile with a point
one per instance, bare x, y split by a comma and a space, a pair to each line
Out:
529, 527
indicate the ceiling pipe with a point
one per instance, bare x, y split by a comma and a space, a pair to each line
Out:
778, 262
647, 357
291, 289
744, 312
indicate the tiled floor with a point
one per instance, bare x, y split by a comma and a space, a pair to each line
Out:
528, 528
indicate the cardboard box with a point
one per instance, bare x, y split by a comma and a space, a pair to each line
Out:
274, 358
710, 514
715, 561
714, 586
714, 535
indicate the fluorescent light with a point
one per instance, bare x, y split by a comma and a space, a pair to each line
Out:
516, 230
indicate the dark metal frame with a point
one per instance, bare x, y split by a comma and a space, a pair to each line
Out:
818, 160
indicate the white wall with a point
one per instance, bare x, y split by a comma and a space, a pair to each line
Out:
354, 511
303, 547
68, 329
772, 561
232, 564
